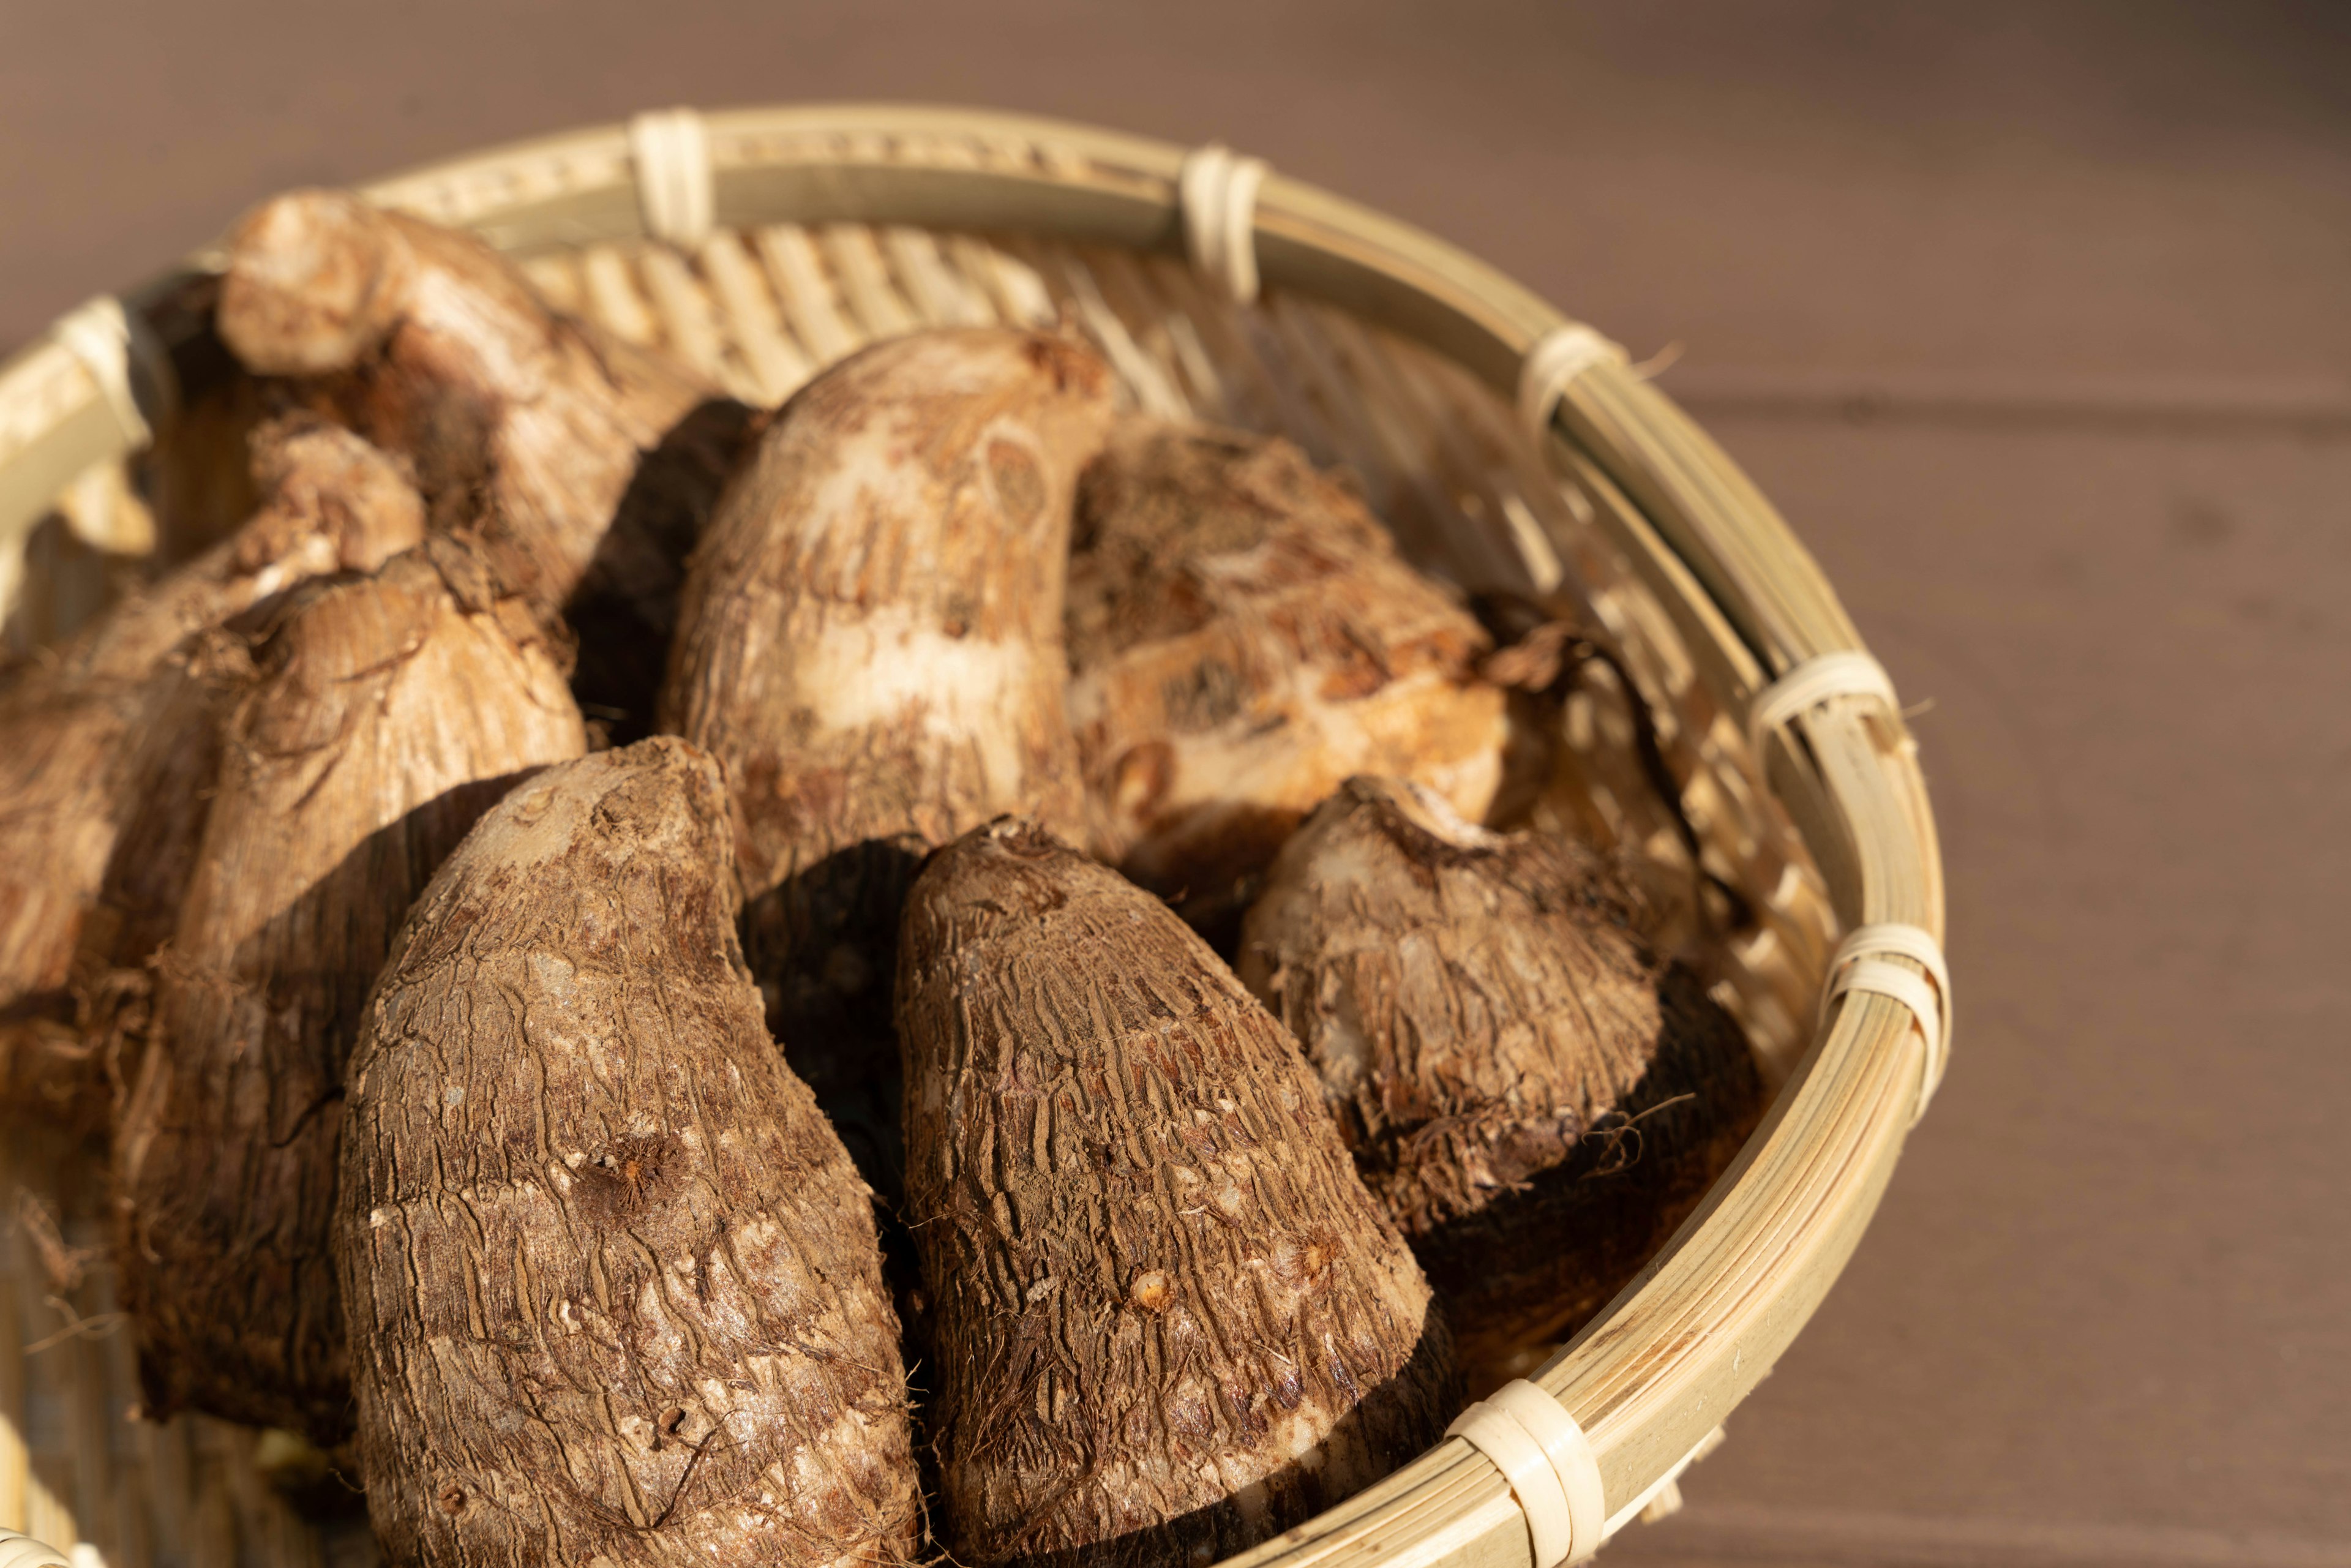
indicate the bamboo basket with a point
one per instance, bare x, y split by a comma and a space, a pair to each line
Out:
760, 245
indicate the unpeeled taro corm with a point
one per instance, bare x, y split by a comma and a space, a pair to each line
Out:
588, 464
870, 642
387, 713
1535, 1097
1243, 636
1166, 1319
614, 1290
111, 744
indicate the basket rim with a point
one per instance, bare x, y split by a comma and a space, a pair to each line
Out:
1654, 1374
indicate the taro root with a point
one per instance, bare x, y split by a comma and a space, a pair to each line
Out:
106, 748
1243, 636
590, 463
388, 713
611, 1281
870, 642
1166, 1319
1535, 1097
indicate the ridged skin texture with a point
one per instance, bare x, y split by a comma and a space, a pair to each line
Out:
613, 1283
389, 710
587, 465
108, 746
1243, 636
870, 642
1166, 1320
1533, 1095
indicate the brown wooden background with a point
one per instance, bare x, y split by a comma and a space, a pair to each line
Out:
2035, 319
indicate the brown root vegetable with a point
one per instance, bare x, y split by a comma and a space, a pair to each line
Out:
597, 461
388, 713
106, 748
1166, 1319
1536, 1098
1243, 636
870, 642
613, 1283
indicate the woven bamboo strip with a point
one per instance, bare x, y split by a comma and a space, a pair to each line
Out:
15, 1453
1020, 296
776, 364
1237, 387
170, 1491
856, 263
613, 297
805, 294
83, 1369
557, 278
940, 292
1077, 289
688, 327
1456, 448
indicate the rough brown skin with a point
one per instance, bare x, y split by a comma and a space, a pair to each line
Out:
1167, 1321
390, 711
108, 745
1536, 1098
870, 642
1243, 636
590, 463
613, 1284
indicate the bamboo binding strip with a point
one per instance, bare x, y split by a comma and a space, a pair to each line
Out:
107, 339
19, 1551
1848, 673
1649, 1380
671, 152
1557, 359
1218, 191
1537, 1445
1857, 966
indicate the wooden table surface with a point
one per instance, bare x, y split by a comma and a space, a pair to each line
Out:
2036, 321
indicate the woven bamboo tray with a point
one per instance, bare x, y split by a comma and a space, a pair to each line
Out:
762, 244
